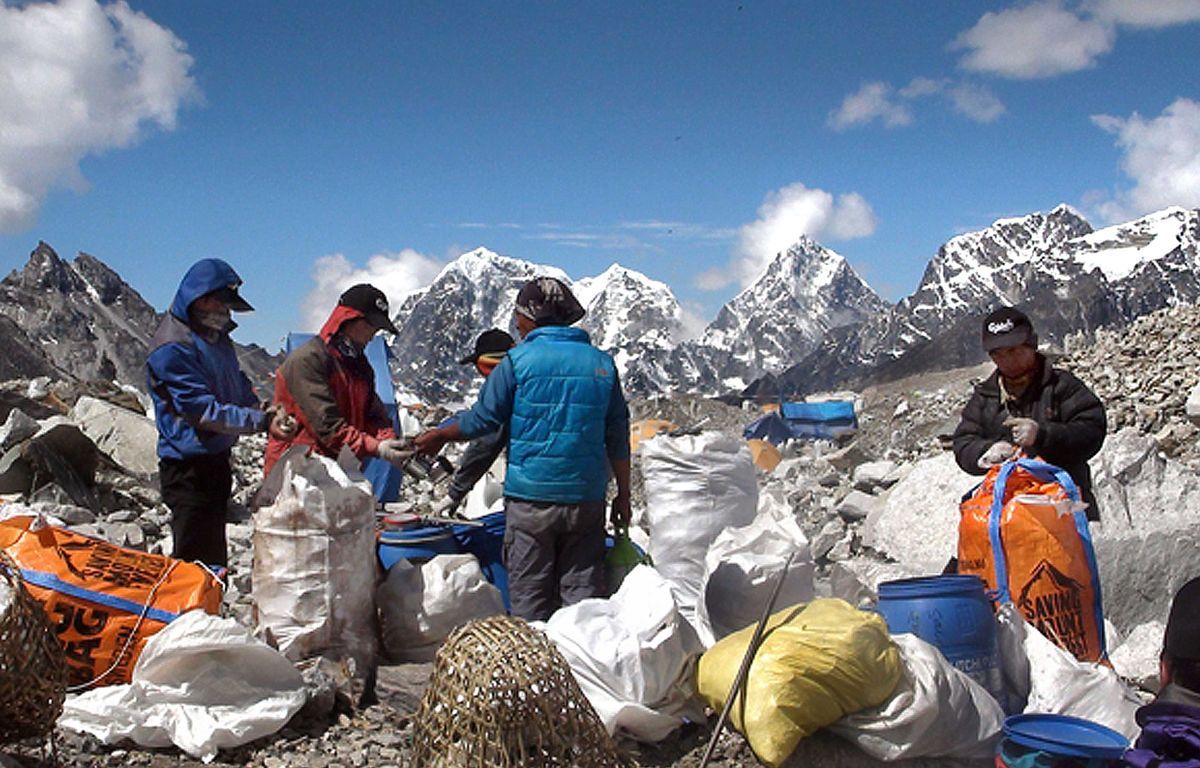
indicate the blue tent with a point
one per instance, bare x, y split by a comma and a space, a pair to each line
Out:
821, 420
770, 427
385, 478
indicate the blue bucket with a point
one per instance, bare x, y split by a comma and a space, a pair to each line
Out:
953, 613
418, 544
1050, 740
487, 544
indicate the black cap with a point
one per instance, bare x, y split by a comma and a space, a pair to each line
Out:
371, 302
548, 301
1007, 327
1182, 638
491, 341
229, 294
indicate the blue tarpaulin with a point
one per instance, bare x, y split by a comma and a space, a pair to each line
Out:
821, 420
770, 427
385, 478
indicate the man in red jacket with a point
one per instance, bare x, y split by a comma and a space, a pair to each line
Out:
328, 385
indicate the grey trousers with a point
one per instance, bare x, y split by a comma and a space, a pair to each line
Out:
554, 554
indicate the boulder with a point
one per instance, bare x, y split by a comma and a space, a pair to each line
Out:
129, 438
1192, 406
876, 474
17, 428
858, 506
917, 524
1136, 659
827, 537
1148, 541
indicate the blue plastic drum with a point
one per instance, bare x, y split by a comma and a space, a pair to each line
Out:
417, 544
953, 613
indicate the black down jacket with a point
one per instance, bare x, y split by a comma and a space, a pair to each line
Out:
1071, 425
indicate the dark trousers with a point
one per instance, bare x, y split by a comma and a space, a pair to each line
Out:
196, 490
554, 554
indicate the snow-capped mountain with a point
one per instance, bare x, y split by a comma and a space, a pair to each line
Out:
628, 315
1069, 278
802, 294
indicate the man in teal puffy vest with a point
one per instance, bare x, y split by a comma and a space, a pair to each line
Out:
568, 423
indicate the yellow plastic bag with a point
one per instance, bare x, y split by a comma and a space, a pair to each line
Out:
815, 664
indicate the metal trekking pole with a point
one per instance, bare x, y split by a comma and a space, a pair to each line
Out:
744, 670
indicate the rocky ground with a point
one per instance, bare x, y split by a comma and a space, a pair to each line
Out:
1143, 374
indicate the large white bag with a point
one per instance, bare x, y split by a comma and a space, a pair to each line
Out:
202, 683
419, 606
633, 655
936, 711
696, 487
314, 559
742, 566
1052, 681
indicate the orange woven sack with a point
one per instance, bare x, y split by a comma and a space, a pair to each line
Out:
1023, 534
104, 601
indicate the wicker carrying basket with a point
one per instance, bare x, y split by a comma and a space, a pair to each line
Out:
502, 695
33, 673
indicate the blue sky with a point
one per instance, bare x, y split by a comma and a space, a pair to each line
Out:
316, 144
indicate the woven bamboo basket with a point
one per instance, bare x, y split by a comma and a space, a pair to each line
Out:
502, 695
33, 672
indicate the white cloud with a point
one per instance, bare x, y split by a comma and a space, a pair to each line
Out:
784, 216
396, 274
79, 78
692, 321
871, 101
1162, 159
879, 100
975, 103
1038, 40
1147, 14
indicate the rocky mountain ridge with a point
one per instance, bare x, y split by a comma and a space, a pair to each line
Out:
80, 320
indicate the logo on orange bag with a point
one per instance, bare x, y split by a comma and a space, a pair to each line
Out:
1053, 602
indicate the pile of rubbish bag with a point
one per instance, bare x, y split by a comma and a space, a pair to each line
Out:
665, 648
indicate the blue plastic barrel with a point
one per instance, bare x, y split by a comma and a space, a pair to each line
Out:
487, 544
954, 614
1039, 739
418, 544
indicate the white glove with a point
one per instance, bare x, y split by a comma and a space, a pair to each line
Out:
394, 452
447, 506
1024, 431
282, 425
998, 454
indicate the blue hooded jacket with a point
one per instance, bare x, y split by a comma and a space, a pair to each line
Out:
567, 416
202, 400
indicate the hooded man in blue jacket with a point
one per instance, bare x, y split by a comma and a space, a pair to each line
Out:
202, 403
568, 425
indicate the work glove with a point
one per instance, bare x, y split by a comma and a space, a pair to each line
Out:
998, 454
1024, 431
447, 506
621, 513
282, 425
395, 452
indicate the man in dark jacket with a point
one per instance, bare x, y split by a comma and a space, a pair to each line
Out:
328, 386
568, 425
202, 402
1028, 405
1171, 723
490, 349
